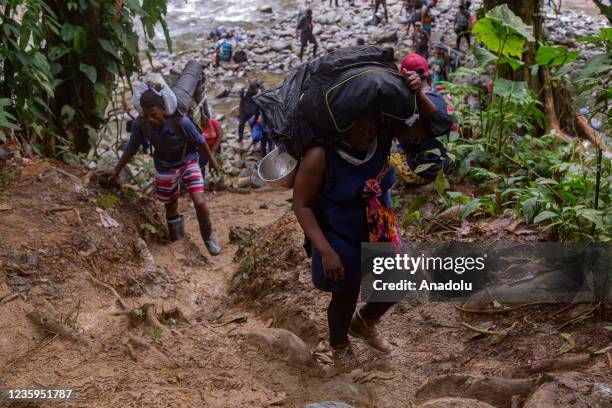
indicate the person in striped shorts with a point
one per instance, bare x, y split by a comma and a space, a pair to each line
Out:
177, 143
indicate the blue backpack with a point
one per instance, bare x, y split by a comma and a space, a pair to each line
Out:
225, 51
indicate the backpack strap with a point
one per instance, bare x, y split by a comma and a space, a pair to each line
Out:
144, 131
176, 122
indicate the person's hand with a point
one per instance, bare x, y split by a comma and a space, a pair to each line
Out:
108, 178
413, 80
214, 165
332, 266
108, 175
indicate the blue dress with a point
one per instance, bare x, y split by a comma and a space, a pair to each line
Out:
342, 216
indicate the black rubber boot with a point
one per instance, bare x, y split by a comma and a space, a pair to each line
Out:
207, 236
176, 228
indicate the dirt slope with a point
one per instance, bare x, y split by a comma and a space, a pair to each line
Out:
57, 257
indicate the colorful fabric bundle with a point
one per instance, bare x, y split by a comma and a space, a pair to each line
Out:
382, 223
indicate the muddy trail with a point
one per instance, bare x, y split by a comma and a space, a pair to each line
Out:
92, 298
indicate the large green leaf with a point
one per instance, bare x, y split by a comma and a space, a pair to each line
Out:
502, 32
529, 208
89, 71
544, 215
108, 47
595, 216
68, 31
511, 90
498, 38
484, 57
79, 42
513, 62
469, 208
555, 55
57, 52
67, 113
506, 17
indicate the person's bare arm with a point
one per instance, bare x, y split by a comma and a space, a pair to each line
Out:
123, 161
414, 82
219, 139
307, 185
203, 149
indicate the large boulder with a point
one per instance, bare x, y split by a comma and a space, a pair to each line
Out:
386, 37
265, 9
279, 45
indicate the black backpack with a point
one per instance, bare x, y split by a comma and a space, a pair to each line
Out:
323, 97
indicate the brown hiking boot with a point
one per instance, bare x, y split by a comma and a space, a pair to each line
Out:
366, 330
345, 360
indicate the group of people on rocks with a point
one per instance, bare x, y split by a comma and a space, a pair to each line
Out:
421, 21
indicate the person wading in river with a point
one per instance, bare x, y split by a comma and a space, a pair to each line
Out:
337, 216
177, 142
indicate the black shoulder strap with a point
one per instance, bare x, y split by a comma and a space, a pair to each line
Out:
144, 131
176, 122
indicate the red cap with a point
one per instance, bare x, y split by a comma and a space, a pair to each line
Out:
415, 62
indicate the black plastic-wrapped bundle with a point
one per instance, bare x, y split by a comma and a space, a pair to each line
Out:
279, 108
335, 101
327, 95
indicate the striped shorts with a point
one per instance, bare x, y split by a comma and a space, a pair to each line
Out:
167, 181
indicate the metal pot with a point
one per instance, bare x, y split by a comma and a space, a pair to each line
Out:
278, 169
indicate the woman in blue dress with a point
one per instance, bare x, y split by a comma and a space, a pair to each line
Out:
341, 199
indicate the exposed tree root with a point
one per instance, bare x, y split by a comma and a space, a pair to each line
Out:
120, 300
588, 133
549, 109
176, 314
153, 321
505, 310
132, 340
582, 317
8, 298
54, 326
561, 363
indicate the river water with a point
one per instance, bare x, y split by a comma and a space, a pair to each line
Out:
190, 21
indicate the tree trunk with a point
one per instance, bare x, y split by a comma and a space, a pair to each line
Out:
76, 90
530, 12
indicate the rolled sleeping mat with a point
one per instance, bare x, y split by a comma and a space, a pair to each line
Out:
189, 86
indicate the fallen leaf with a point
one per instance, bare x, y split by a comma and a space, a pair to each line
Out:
567, 343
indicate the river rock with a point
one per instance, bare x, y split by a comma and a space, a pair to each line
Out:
233, 171
243, 182
386, 37
280, 45
224, 93
237, 88
265, 9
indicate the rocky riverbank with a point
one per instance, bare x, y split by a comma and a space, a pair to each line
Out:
272, 49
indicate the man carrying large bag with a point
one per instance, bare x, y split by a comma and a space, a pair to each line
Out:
177, 143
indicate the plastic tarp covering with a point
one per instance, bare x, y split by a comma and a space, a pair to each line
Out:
279, 109
305, 110
157, 83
